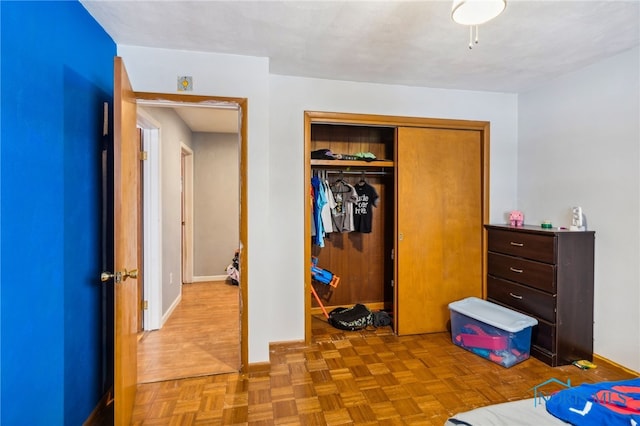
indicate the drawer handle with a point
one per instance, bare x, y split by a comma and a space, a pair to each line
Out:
517, 271
515, 296
516, 244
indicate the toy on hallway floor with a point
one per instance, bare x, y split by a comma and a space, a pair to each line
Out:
322, 275
233, 270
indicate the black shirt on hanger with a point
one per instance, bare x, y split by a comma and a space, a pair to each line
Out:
362, 212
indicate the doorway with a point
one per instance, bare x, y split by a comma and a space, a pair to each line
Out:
160, 278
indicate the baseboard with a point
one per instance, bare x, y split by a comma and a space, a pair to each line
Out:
374, 306
101, 412
286, 345
264, 368
600, 359
259, 368
205, 278
172, 308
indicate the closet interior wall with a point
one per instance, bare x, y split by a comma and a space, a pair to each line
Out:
363, 261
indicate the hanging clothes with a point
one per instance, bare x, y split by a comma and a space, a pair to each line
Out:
363, 212
327, 220
319, 201
345, 196
312, 200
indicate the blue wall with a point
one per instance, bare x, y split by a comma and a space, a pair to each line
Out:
57, 70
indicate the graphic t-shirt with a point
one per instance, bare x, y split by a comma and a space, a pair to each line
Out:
362, 212
345, 196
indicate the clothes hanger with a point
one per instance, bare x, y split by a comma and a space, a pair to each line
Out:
363, 179
340, 185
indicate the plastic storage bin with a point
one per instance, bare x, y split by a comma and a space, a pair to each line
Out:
491, 331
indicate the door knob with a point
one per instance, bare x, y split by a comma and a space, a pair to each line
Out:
106, 276
132, 273
118, 277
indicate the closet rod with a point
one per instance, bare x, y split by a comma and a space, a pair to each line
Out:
350, 172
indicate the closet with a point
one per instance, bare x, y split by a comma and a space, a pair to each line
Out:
427, 241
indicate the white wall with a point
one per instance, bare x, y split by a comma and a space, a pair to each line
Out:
579, 145
275, 139
291, 96
216, 202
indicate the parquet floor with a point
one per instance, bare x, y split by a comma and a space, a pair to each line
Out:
353, 378
201, 337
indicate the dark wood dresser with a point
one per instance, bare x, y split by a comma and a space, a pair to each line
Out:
546, 274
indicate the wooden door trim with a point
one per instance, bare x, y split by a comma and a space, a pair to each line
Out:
313, 117
152, 221
394, 121
308, 120
187, 211
141, 270
243, 106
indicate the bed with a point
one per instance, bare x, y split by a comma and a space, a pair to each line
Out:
526, 412
604, 403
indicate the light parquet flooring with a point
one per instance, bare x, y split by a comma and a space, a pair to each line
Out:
353, 378
201, 337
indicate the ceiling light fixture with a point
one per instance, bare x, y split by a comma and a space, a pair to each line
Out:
476, 12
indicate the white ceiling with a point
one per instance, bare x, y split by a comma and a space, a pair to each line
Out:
206, 117
201, 119
411, 43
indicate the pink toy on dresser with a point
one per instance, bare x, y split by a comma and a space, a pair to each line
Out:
516, 218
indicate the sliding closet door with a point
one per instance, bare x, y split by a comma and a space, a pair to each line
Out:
439, 225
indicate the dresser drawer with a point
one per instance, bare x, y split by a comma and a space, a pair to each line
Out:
529, 272
544, 336
531, 246
525, 299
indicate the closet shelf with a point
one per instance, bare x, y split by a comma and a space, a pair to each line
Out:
352, 163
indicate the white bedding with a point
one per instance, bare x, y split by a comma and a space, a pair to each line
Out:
521, 413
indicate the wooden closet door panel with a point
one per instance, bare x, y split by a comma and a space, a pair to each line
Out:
439, 225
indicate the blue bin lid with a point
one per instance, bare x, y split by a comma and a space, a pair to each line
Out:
493, 314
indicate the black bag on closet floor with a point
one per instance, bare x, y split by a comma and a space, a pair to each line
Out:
356, 317
381, 319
